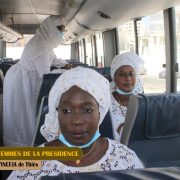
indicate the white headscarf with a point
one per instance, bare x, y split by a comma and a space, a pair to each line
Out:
87, 79
49, 31
130, 59
127, 58
46, 38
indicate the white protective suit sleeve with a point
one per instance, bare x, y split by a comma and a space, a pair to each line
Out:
58, 62
22, 84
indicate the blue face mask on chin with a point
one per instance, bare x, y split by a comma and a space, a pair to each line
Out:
61, 34
123, 92
94, 138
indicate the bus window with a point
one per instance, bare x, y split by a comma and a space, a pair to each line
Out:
126, 37
177, 13
81, 52
63, 52
89, 56
152, 50
14, 50
100, 51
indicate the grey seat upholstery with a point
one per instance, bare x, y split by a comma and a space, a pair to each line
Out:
43, 110
1, 119
172, 173
48, 82
105, 71
152, 129
1, 107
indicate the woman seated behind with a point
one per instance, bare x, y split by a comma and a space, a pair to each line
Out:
125, 70
78, 103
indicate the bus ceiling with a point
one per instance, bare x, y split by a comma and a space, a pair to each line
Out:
82, 17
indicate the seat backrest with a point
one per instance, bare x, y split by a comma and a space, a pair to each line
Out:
105, 71
5, 67
1, 107
43, 110
171, 173
76, 62
1, 119
1, 81
47, 83
152, 129
105, 128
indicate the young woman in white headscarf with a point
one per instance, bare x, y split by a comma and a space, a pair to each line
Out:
125, 73
77, 106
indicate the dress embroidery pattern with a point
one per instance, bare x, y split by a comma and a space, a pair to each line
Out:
117, 157
118, 112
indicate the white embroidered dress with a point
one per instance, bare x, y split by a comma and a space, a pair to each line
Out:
117, 157
118, 111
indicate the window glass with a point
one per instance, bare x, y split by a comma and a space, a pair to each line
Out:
63, 51
177, 15
100, 50
152, 50
89, 57
81, 51
14, 50
126, 37
93, 51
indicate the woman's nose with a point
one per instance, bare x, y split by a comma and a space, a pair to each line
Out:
77, 118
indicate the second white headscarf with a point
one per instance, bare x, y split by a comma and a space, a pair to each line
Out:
133, 60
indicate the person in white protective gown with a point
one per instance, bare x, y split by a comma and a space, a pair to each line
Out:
23, 81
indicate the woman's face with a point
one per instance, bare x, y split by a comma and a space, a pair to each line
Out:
125, 78
78, 114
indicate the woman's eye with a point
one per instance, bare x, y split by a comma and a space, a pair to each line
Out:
131, 74
121, 74
88, 110
65, 111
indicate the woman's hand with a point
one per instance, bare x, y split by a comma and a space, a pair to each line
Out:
69, 66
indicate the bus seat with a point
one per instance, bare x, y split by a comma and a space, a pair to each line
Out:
1, 119
1, 81
43, 110
5, 67
105, 71
152, 129
76, 62
47, 83
170, 173
105, 128
1, 107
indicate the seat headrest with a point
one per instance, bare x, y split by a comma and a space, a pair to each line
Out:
162, 116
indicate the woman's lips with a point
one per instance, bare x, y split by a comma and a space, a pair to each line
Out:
79, 134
